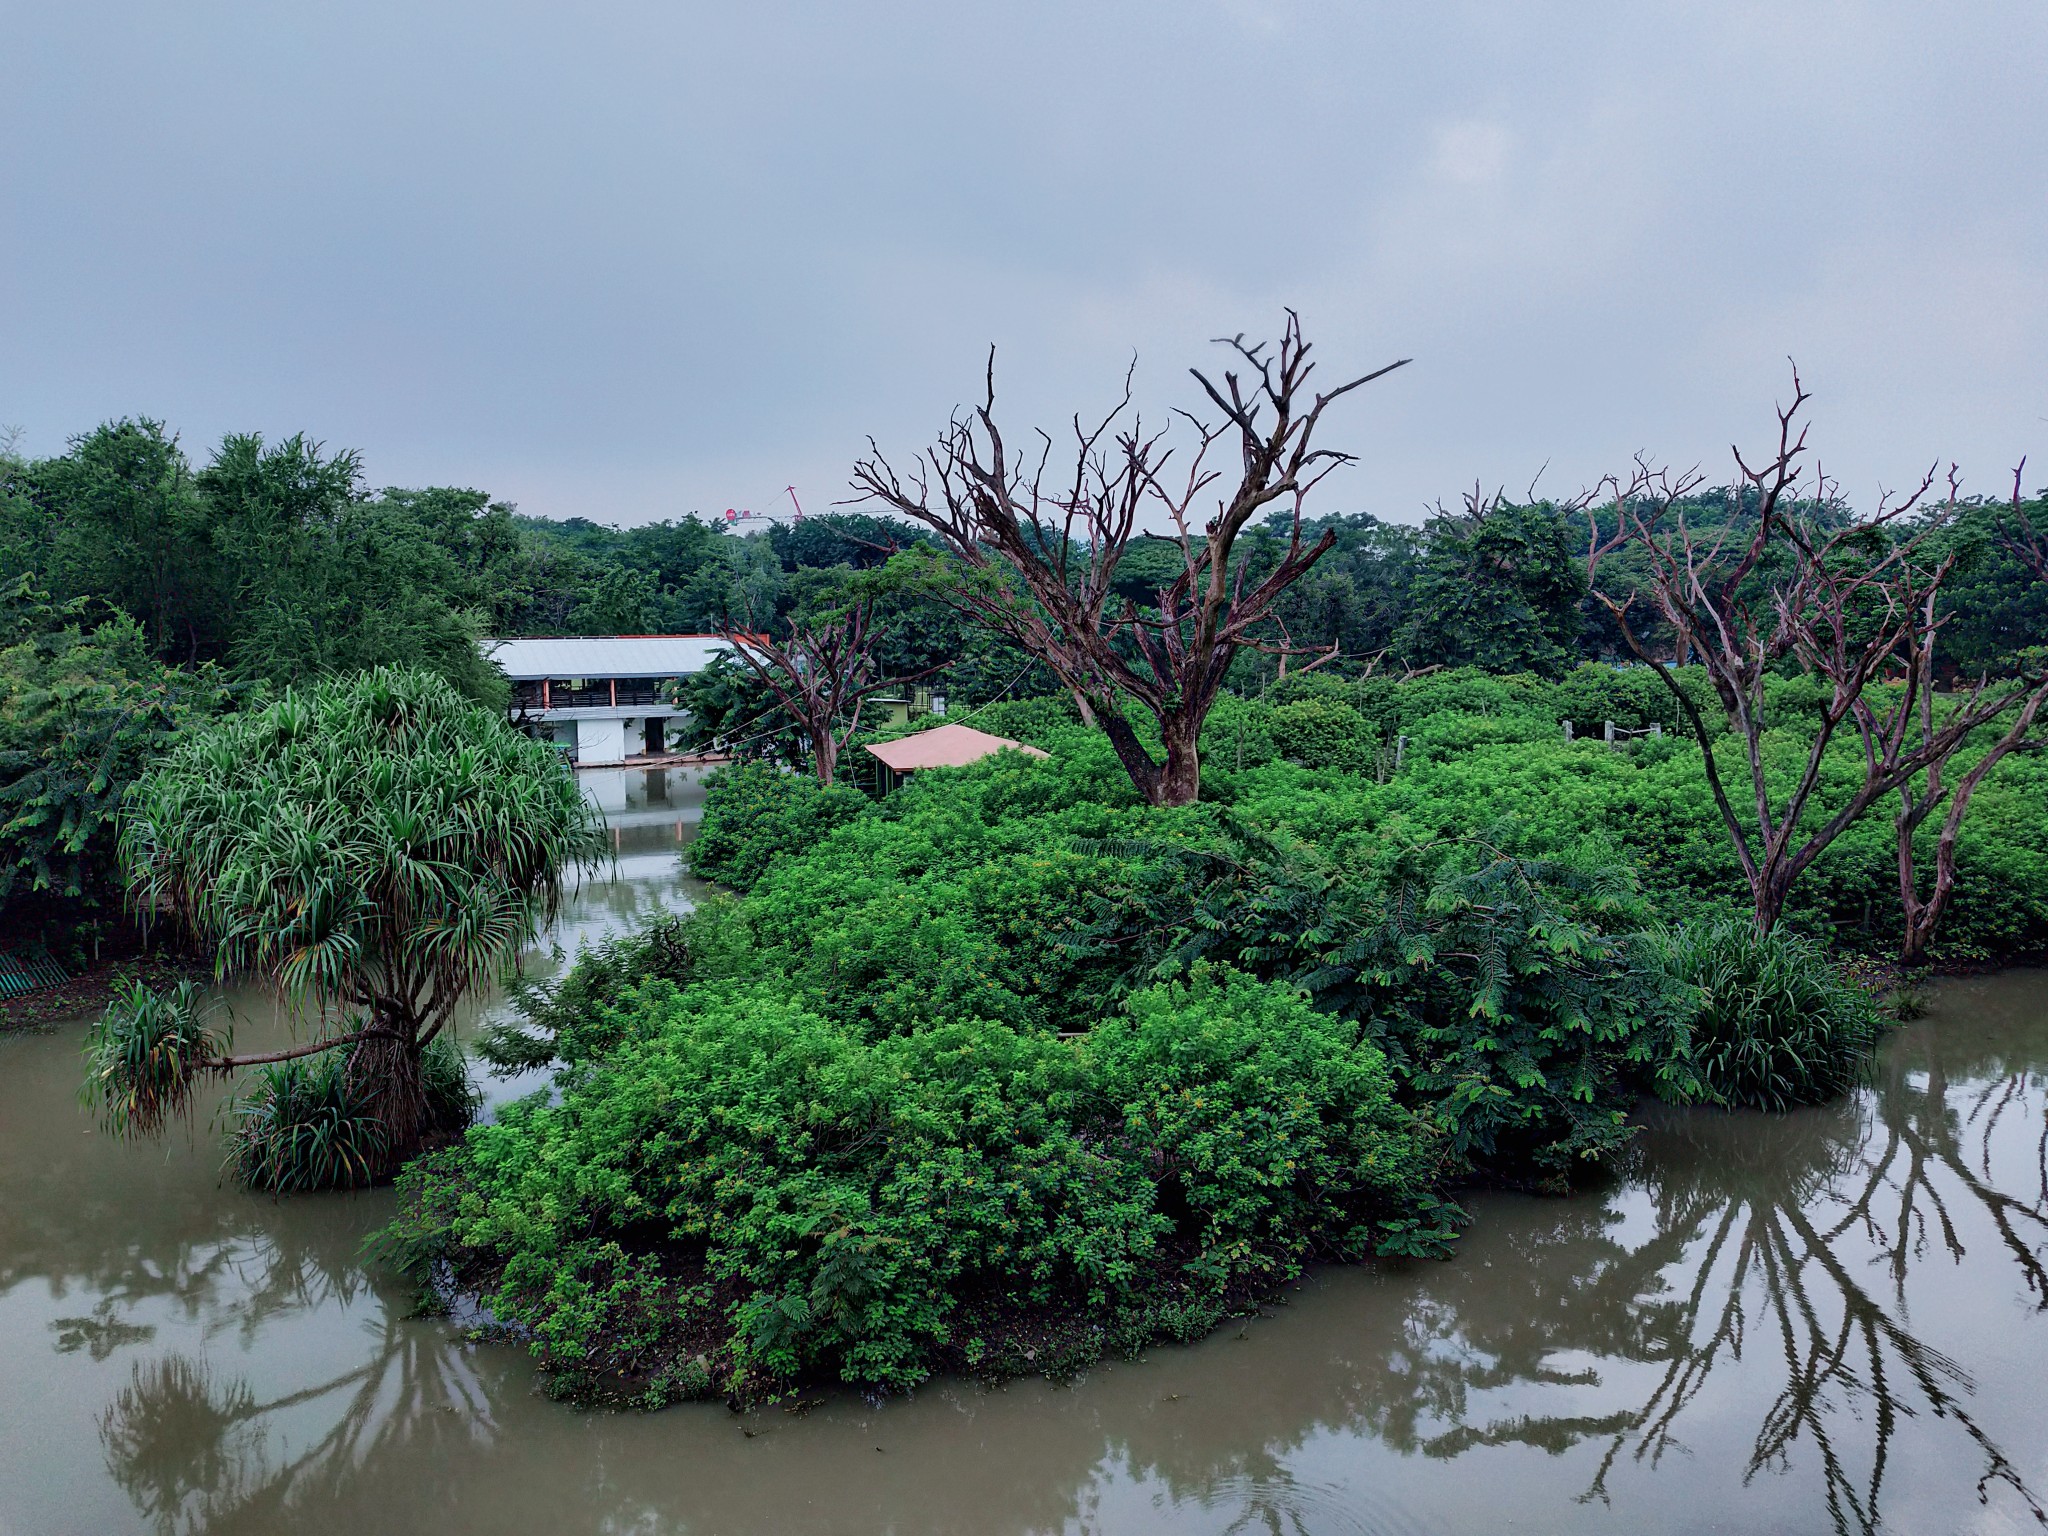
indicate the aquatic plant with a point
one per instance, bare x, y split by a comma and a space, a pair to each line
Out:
1776, 1025
308, 1124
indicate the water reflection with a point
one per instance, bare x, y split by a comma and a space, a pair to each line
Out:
1766, 1235
1835, 1318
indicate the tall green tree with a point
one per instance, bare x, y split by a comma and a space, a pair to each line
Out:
1499, 587
126, 523
329, 580
84, 709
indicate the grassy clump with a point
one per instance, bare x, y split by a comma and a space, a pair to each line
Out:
311, 1124
1777, 1026
304, 1125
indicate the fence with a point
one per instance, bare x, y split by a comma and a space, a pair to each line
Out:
26, 970
1613, 734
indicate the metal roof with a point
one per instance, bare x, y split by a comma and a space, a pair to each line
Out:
946, 746
604, 655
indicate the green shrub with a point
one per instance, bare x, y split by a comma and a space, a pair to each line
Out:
1776, 1025
1324, 733
569, 1019
754, 813
1512, 994
1273, 1128
746, 1180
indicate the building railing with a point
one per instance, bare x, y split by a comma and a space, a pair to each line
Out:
532, 694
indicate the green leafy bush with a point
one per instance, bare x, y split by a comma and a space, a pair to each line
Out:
1776, 1025
1324, 733
746, 1185
1514, 995
84, 708
754, 812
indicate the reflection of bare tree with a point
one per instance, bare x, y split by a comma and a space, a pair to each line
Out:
196, 1453
1752, 1219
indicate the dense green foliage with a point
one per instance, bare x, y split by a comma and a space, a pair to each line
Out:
763, 815
278, 564
83, 709
378, 847
868, 1203
1500, 588
791, 1128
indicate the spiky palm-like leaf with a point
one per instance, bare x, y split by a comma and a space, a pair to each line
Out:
376, 845
147, 1055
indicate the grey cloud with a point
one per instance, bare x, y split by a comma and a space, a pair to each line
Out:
621, 261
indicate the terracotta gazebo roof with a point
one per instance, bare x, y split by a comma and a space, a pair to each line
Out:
946, 746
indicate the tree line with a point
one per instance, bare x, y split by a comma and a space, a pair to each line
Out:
138, 587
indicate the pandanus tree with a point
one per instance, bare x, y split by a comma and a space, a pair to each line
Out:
378, 849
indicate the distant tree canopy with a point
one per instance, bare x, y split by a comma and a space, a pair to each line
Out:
1499, 588
133, 564
276, 562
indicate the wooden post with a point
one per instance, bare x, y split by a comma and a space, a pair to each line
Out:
615, 692
1610, 733
1567, 731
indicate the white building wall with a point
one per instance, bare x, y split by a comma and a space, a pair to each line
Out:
600, 741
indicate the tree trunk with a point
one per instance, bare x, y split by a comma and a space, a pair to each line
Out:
1131, 753
826, 752
393, 1074
1769, 888
1920, 915
1180, 782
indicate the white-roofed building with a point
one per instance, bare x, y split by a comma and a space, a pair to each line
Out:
604, 699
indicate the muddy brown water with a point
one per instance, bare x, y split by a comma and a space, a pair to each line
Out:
1831, 1320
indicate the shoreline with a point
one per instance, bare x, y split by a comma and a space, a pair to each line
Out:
92, 989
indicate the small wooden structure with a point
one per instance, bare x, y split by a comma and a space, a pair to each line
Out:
945, 746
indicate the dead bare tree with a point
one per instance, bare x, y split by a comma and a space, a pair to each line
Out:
822, 675
1040, 558
1913, 710
1854, 605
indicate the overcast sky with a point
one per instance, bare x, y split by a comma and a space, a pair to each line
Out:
626, 261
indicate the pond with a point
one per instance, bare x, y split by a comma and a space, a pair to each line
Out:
1836, 1319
